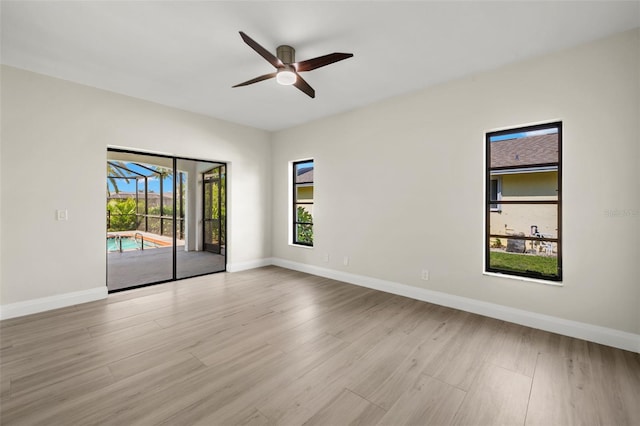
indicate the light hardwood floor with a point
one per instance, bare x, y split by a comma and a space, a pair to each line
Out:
273, 346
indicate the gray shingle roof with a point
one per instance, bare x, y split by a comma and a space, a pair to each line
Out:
305, 175
524, 152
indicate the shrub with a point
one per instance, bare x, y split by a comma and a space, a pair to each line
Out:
121, 215
305, 232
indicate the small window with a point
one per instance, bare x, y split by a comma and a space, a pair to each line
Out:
303, 202
496, 193
523, 202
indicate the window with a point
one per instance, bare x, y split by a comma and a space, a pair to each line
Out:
523, 202
303, 202
496, 193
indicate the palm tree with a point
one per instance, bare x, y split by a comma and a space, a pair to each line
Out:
114, 172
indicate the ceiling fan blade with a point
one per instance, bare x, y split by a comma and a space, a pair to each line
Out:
257, 79
321, 61
270, 57
304, 86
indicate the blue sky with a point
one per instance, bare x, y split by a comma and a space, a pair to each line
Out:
154, 182
305, 164
523, 134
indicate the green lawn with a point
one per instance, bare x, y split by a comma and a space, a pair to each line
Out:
524, 263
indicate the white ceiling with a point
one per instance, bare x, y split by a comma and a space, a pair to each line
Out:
188, 54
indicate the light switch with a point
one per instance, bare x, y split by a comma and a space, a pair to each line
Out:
62, 214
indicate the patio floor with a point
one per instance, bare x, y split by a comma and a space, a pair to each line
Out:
138, 267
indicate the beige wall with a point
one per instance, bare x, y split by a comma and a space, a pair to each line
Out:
417, 203
418, 200
305, 193
542, 186
54, 147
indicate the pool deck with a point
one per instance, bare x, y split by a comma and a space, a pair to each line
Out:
162, 240
138, 267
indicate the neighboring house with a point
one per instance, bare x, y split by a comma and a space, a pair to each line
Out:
304, 183
530, 173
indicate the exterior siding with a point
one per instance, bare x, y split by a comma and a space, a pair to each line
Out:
515, 218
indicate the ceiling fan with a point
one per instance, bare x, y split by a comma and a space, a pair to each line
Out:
288, 71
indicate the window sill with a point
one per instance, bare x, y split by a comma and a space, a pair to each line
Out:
527, 279
300, 245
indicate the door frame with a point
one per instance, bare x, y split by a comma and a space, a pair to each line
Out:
223, 226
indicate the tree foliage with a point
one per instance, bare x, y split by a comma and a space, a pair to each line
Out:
115, 172
122, 214
304, 229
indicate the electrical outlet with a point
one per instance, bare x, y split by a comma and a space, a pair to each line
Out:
326, 257
425, 274
345, 261
62, 215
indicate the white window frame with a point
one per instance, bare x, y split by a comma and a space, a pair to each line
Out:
498, 207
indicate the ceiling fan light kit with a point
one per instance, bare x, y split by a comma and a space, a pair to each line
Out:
286, 76
288, 70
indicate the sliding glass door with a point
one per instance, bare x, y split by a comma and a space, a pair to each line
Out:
202, 231
165, 218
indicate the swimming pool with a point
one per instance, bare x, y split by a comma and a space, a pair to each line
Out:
128, 243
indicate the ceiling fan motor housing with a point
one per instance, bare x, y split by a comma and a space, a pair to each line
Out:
286, 54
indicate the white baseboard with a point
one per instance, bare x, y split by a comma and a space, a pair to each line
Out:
251, 264
593, 333
42, 304
34, 306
